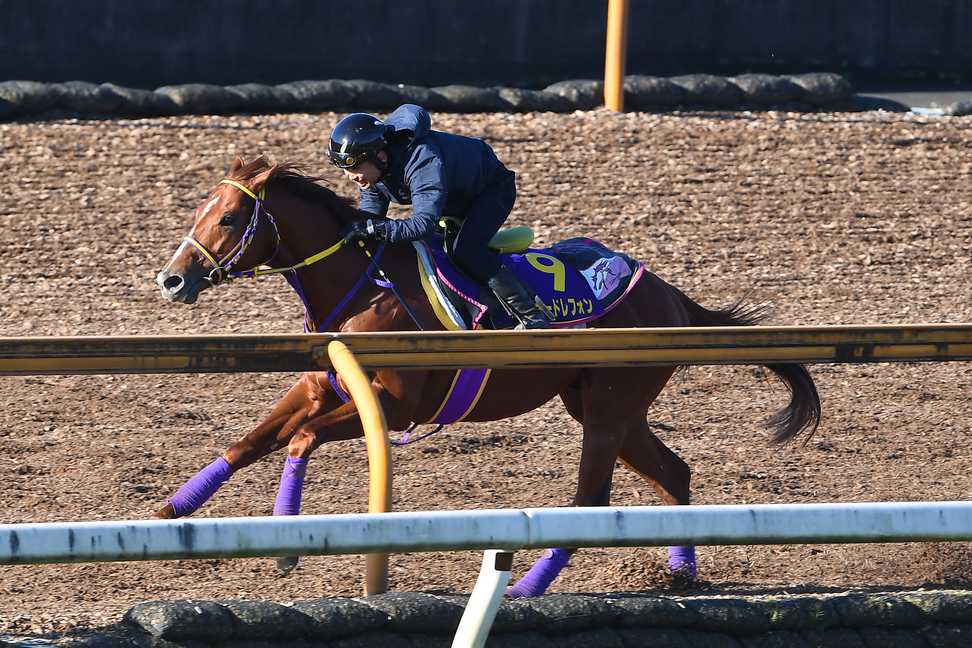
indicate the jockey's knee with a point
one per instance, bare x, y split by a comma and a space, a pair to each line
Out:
301, 444
478, 263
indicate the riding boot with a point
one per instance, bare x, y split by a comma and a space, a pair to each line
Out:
518, 300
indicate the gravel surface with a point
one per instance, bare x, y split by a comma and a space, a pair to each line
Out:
834, 218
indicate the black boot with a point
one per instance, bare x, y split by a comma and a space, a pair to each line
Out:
517, 300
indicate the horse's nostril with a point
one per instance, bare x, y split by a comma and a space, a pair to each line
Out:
173, 283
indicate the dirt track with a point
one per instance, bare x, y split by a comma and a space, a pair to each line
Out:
851, 218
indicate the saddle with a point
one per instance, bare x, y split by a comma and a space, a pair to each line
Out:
578, 280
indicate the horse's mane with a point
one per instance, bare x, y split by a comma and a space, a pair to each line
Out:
291, 175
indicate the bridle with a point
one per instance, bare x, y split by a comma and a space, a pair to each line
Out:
223, 268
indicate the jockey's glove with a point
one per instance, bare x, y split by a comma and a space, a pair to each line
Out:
372, 228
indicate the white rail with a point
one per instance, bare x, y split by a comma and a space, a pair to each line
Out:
508, 529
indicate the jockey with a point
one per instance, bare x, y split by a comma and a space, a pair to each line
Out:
402, 160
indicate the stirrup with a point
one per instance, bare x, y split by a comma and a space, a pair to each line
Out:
540, 321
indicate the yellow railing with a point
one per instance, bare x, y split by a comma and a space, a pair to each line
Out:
379, 453
495, 349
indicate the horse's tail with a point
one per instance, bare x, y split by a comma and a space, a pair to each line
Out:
803, 411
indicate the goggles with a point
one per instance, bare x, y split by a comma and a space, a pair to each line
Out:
346, 160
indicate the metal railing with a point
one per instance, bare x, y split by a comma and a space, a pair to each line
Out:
494, 349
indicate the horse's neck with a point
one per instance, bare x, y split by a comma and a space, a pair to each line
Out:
308, 229
305, 228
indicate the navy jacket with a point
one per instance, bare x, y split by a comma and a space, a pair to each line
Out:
437, 173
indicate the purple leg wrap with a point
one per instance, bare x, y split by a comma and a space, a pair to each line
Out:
536, 581
200, 488
682, 559
291, 485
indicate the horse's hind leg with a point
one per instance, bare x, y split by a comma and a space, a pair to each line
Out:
601, 445
645, 454
653, 461
610, 409
273, 433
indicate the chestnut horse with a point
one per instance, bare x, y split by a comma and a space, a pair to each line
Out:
265, 218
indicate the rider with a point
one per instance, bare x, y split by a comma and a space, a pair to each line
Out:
403, 160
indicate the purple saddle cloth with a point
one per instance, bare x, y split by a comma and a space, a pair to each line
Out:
579, 280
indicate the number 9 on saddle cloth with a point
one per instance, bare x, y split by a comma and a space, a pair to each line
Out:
577, 280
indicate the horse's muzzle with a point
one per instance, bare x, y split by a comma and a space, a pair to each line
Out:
179, 288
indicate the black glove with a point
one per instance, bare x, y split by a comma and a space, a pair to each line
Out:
371, 228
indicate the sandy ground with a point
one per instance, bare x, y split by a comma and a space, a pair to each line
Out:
835, 218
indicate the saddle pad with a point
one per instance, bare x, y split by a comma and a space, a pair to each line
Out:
579, 280
446, 312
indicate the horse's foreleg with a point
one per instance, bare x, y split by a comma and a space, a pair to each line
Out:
295, 466
333, 424
310, 429
288, 500
195, 492
653, 461
270, 435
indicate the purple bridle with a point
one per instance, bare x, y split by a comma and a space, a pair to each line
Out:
223, 268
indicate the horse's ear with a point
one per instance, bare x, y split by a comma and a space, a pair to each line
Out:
236, 165
260, 179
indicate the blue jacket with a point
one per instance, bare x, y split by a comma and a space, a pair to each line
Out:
437, 173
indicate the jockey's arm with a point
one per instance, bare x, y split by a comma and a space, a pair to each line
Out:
426, 181
374, 202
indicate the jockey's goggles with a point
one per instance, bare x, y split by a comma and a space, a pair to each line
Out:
347, 160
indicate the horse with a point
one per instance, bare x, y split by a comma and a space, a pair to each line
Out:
344, 288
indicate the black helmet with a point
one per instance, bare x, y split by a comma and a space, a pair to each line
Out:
356, 138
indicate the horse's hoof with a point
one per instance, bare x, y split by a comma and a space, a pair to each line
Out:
165, 513
686, 571
684, 578
287, 564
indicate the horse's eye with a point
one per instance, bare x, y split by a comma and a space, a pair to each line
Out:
227, 220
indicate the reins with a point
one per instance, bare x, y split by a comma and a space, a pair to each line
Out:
385, 282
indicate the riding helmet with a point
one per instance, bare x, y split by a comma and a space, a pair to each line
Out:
356, 138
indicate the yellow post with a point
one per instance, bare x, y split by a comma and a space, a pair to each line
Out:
379, 453
614, 56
